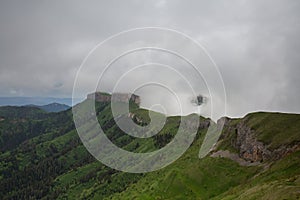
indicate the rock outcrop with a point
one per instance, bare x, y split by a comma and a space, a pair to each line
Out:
244, 139
117, 97
249, 147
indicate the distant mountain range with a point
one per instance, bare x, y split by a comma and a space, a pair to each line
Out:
39, 101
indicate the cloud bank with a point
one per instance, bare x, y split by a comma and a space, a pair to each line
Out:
254, 43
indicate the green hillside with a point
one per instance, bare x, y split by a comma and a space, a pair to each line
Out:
50, 162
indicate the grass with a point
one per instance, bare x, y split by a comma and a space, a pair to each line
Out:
229, 136
275, 129
190, 177
280, 181
187, 178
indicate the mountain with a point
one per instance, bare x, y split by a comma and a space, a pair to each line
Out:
256, 157
22, 101
19, 112
52, 107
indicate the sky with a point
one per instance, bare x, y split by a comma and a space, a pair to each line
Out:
254, 44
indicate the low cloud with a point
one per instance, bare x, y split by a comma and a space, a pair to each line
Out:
254, 43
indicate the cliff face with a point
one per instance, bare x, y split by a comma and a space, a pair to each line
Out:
117, 97
244, 140
242, 136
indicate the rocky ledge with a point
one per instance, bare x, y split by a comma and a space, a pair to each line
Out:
244, 140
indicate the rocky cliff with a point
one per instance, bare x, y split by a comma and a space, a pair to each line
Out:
117, 97
242, 137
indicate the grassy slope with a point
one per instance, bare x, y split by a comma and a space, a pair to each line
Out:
187, 178
220, 178
280, 181
192, 178
275, 129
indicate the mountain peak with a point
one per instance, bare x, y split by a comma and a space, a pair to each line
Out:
52, 107
118, 97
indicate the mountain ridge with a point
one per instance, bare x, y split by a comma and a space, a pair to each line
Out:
23, 101
52, 107
61, 167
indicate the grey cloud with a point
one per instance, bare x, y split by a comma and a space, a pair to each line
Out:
254, 43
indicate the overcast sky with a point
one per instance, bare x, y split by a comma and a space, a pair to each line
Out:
255, 44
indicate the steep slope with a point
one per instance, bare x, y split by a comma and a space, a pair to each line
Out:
32, 168
262, 137
272, 170
14, 112
53, 163
19, 124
